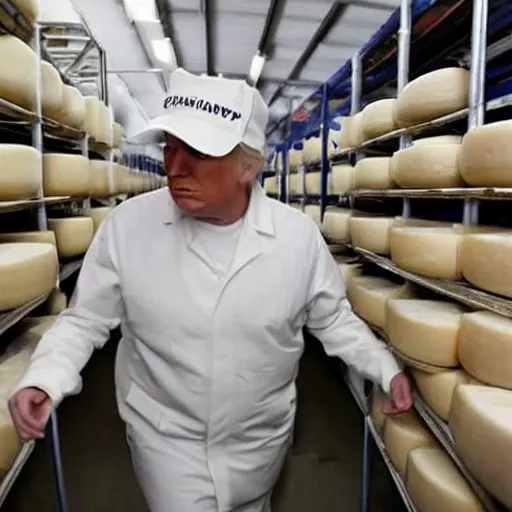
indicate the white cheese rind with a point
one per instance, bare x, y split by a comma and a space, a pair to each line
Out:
20, 172
73, 235
374, 173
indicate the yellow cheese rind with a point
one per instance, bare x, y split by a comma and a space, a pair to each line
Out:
336, 224
270, 185
481, 424
73, 108
294, 158
403, 433
52, 95
342, 178
435, 484
311, 150
486, 262
374, 173
99, 178
313, 211
73, 234
440, 139
20, 173
66, 175
10, 442
27, 271
378, 416
485, 347
313, 183
371, 233
425, 330
44, 237
295, 184
99, 214
485, 159
426, 166
431, 96
378, 118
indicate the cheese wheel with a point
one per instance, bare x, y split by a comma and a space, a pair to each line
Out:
346, 266
371, 233
18, 72
57, 302
73, 108
99, 178
432, 95
45, 237
342, 179
355, 133
368, 296
481, 424
105, 134
313, 183
378, 118
73, 234
313, 211
98, 215
486, 263
295, 184
269, 185
485, 347
52, 95
435, 141
401, 221
118, 132
437, 389
377, 413
312, 150
66, 175
20, 172
27, 271
336, 224
425, 330
294, 158
92, 124
485, 159
434, 483
374, 173
29, 8
403, 433
10, 442
426, 166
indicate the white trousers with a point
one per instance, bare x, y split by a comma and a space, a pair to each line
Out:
174, 477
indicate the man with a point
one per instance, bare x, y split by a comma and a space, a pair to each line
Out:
212, 285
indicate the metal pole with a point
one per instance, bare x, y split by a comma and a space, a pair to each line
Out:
476, 103
357, 84
325, 165
367, 461
103, 76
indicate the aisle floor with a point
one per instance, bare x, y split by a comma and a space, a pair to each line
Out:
323, 473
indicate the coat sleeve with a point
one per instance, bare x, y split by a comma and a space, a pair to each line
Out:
95, 308
343, 334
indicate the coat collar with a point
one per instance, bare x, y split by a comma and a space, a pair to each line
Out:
258, 216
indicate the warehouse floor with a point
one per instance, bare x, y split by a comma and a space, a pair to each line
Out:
323, 473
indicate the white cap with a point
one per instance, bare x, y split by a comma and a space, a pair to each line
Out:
211, 114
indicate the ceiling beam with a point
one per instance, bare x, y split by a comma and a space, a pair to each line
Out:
164, 13
274, 14
335, 12
205, 12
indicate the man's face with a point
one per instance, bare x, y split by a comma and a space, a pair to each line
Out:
200, 183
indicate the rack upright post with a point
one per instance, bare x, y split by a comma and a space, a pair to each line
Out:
324, 139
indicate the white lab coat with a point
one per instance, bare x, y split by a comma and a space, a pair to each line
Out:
205, 370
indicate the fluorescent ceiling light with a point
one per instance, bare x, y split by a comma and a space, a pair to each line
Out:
164, 52
257, 63
141, 10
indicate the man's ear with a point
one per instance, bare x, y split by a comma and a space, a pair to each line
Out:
250, 168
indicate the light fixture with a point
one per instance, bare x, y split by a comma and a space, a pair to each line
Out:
257, 63
141, 10
162, 50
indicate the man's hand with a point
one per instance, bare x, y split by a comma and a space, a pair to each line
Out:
400, 395
30, 409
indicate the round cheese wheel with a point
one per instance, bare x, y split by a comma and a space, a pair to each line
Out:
403, 433
44, 237
435, 483
118, 132
294, 158
432, 95
485, 347
10, 442
312, 150
441, 139
20, 172
18, 72
313, 211
270, 185
342, 178
481, 424
295, 184
73, 234
105, 133
355, 131
378, 118
66, 175
485, 159
378, 416
27, 271
99, 178
313, 183
371, 233
486, 263
425, 330
437, 389
373, 173
336, 224
99, 214
52, 96
92, 124
73, 110
368, 296
427, 166
57, 302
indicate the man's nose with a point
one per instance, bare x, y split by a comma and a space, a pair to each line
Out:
179, 164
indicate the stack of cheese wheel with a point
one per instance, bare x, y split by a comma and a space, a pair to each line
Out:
73, 235
378, 118
431, 96
311, 149
73, 111
342, 179
27, 271
117, 135
66, 175
485, 261
295, 183
481, 424
336, 223
114, 177
485, 159
12, 368
20, 172
371, 232
374, 173
346, 265
294, 158
99, 178
123, 179
313, 211
339, 137
94, 118
52, 91
428, 163
313, 183
368, 296
99, 214
425, 330
106, 134
42, 237
403, 433
435, 484
18, 73
355, 130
